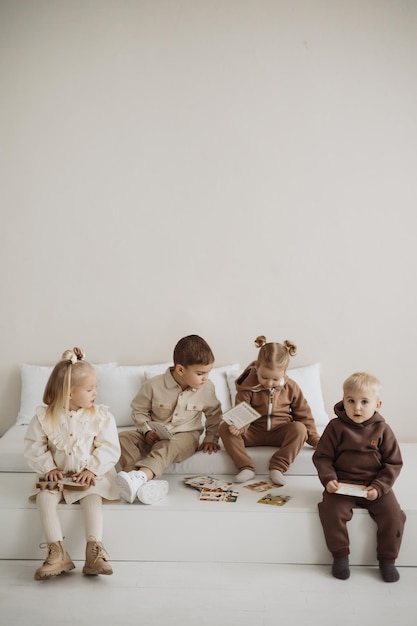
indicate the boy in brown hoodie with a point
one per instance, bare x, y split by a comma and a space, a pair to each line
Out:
359, 447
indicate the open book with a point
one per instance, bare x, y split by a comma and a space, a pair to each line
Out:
241, 415
350, 489
161, 430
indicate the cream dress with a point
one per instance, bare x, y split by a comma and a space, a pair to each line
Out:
84, 439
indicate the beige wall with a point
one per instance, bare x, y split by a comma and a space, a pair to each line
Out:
221, 167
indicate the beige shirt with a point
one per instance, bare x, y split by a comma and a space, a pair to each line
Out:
161, 399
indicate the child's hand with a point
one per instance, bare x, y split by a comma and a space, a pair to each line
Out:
151, 437
235, 431
332, 486
54, 475
85, 478
209, 447
371, 493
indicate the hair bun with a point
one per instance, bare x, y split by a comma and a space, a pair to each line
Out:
291, 347
74, 355
260, 341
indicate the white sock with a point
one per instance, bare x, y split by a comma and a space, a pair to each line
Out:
277, 477
244, 475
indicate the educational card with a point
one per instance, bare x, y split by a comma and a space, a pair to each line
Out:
241, 415
207, 482
262, 485
274, 499
161, 430
218, 495
350, 489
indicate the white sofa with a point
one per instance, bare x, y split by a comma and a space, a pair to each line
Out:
117, 386
203, 531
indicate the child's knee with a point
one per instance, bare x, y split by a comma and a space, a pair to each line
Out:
300, 429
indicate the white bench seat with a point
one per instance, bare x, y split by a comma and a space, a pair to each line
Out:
181, 528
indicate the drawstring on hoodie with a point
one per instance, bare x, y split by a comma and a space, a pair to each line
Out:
271, 397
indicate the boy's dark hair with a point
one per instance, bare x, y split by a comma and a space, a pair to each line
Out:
193, 350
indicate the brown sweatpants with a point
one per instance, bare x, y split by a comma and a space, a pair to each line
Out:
336, 510
137, 453
289, 438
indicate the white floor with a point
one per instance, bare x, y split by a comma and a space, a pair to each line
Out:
190, 594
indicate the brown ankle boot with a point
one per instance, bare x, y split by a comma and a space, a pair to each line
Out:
95, 559
57, 562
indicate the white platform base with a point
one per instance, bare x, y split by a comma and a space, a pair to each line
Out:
181, 528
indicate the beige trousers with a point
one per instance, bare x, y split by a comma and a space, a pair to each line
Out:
137, 453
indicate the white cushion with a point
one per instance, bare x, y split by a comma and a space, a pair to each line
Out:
34, 379
219, 376
218, 463
155, 370
117, 387
12, 458
308, 379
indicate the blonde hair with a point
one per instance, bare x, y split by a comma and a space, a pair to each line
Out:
275, 354
67, 373
361, 381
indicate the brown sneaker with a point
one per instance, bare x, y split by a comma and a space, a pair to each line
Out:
57, 561
95, 559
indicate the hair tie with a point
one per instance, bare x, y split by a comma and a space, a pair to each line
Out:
72, 356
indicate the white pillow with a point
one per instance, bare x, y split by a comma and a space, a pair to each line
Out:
34, 379
117, 387
308, 379
155, 370
219, 377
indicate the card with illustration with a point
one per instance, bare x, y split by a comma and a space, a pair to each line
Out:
274, 499
207, 482
261, 485
218, 495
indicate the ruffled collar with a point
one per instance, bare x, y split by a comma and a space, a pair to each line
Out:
74, 429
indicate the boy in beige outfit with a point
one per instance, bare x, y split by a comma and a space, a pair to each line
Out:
176, 401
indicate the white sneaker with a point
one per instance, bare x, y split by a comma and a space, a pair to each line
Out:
129, 483
152, 491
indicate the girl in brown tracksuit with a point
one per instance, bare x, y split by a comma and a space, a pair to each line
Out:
286, 420
359, 447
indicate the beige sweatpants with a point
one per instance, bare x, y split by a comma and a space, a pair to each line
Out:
137, 453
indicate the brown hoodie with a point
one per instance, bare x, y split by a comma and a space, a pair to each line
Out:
280, 405
366, 453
